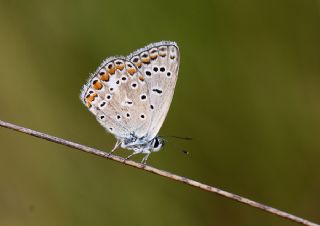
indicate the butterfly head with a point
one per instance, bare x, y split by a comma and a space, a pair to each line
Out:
156, 144
142, 144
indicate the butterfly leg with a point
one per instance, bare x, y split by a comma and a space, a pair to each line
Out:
145, 158
115, 146
134, 153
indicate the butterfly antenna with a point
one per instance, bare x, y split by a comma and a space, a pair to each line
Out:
177, 146
178, 137
182, 138
185, 152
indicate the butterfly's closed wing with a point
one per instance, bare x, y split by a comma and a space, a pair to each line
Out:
117, 94
131, 96
159, 64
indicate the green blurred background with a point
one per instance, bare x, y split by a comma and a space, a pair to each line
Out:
248, 93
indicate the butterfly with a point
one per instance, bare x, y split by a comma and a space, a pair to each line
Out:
130, 96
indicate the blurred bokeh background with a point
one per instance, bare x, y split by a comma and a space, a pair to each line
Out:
248, 93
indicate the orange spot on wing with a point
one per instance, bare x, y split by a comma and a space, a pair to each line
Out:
131, 71
153, 56
120, 67
91, 97
146, 60
141, 78
111, 70
105, 77
163, 51
97, 85
138, 64
153, 53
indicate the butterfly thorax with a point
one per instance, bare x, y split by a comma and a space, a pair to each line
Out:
142, 144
